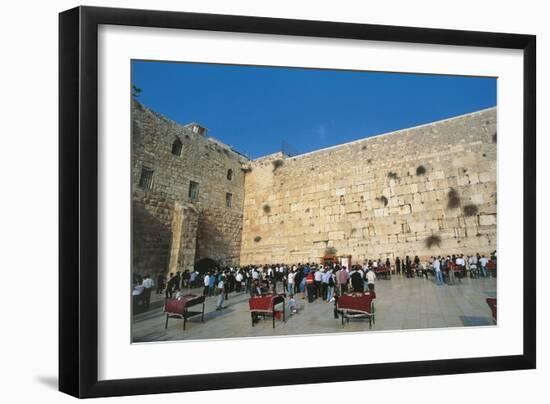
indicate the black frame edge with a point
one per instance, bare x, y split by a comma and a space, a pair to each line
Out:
69, 79
530, 201
78, 192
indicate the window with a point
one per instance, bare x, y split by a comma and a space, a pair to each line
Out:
146, 179
230, 174
176, 147
228, 200
193, 190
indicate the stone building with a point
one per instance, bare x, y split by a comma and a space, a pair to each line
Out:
421, 191
188, 195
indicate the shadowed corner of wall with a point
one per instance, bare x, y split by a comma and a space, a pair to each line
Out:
213, 244
151, 242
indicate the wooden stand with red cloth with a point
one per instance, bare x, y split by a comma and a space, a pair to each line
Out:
492, 303
353, 305
382, 271
492, 268
179, 308
265, 304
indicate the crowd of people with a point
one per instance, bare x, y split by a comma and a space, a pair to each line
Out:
312, 281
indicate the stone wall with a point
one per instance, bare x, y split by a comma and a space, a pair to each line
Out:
151, 232
379, 197
206, 161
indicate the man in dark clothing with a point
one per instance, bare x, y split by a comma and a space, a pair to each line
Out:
177, 281
170, 286
160, 283
357, 281
398, 266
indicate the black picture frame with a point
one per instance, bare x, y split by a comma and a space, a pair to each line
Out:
78, 200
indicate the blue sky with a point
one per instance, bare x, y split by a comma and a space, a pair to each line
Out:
255, 109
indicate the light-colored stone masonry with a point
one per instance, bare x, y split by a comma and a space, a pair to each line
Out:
336, 197
363, 198
171, 231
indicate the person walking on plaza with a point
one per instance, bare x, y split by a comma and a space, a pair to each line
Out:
238, 281
324, 285
192, 279
148, 285
310, 284
170, 286
212, 283
221, 292
408, 267
291, 276
343, 277
483, 264
330, 286
356, 280
398, 266
437, 271
472, 261
206, 281
370, 276
318, 280
160, 283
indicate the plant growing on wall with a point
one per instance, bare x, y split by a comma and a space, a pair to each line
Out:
136, 91
433, 240
420, 170
470, 210
257, 239
392, 175
330, 251
383, 199
277, 164
266, 208
453, 200
494, 137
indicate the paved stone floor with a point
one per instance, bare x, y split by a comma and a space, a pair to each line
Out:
401, 304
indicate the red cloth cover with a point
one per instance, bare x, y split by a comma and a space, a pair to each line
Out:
178, 306
261, 303
492, 302
356, 301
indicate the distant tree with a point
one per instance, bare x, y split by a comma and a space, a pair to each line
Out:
136, 91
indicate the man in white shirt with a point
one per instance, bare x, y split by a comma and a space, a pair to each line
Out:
371, 277
291, 276
472, 261
483, 262
437, 270
147, 289
206, 280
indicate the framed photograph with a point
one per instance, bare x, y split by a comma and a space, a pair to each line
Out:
250, 201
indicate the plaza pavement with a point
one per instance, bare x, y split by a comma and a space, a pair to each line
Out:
402, 303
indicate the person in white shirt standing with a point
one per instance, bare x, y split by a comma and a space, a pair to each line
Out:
221, 293
437, 270
483, 263
371, 277
148, 285
291, 276
206, 284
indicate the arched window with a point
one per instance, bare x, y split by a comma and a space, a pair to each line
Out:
230, 174
176, 147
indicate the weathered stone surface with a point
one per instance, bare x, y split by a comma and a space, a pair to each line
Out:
209, 229
364, 198
457, 153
